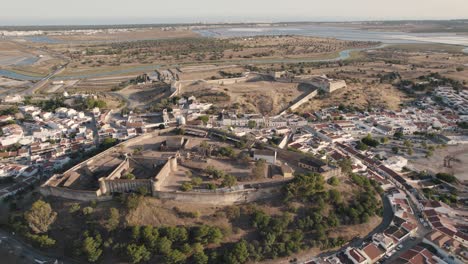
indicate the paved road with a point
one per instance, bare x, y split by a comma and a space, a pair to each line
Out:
23, 252
43, 81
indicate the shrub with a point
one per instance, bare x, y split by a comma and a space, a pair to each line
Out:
334, 181
186, 186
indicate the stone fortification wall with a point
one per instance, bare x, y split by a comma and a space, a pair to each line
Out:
237, 195
108, 187
227, 81
117, 173
220, 198
163, 174
336, 85
84, 196
300, 102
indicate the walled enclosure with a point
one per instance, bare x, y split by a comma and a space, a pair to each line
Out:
113, 184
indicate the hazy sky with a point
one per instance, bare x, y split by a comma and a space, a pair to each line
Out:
38, 12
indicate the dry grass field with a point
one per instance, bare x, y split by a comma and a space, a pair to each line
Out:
436, 162
252, 96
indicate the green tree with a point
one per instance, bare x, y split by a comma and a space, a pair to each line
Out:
200, 258
204, 119
43, 241
88, 210
175, 257
138, 253
136, 231
186, 186
346, 165
334, 181
91, 248
164, 246
128, 176
239, 253
40, 216
74, 207
259, 168
132, 201
446, 177
150, 236
407, 143
384, 140
361, 146
395, 149
229, 181
368, 140
197, 181
252, 124
113, 220
410, 151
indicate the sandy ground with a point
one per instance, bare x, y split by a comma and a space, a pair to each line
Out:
436, 162
138, 34
5, 82
362, 96
257, 96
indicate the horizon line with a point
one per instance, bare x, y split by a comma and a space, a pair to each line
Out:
246, 21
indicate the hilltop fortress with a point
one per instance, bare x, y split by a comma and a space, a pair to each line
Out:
157, 165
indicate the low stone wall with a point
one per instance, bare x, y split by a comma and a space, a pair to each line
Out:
227, 81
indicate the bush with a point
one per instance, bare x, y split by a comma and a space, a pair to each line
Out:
74, 207
229, 181
42, 241
132, 201
186, 186
88, 210
196, 181
334, 181
128, 176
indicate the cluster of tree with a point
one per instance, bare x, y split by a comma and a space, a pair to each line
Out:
226, 151
346, 165
448, 198
90, 103
227, 179
171, 244
463, 125
369, 141
225, 74
35, 223
204, 119
51, 104
304, 186
389, 77
446, 177
9, 111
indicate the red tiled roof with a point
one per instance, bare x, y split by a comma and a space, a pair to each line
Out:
372, 251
